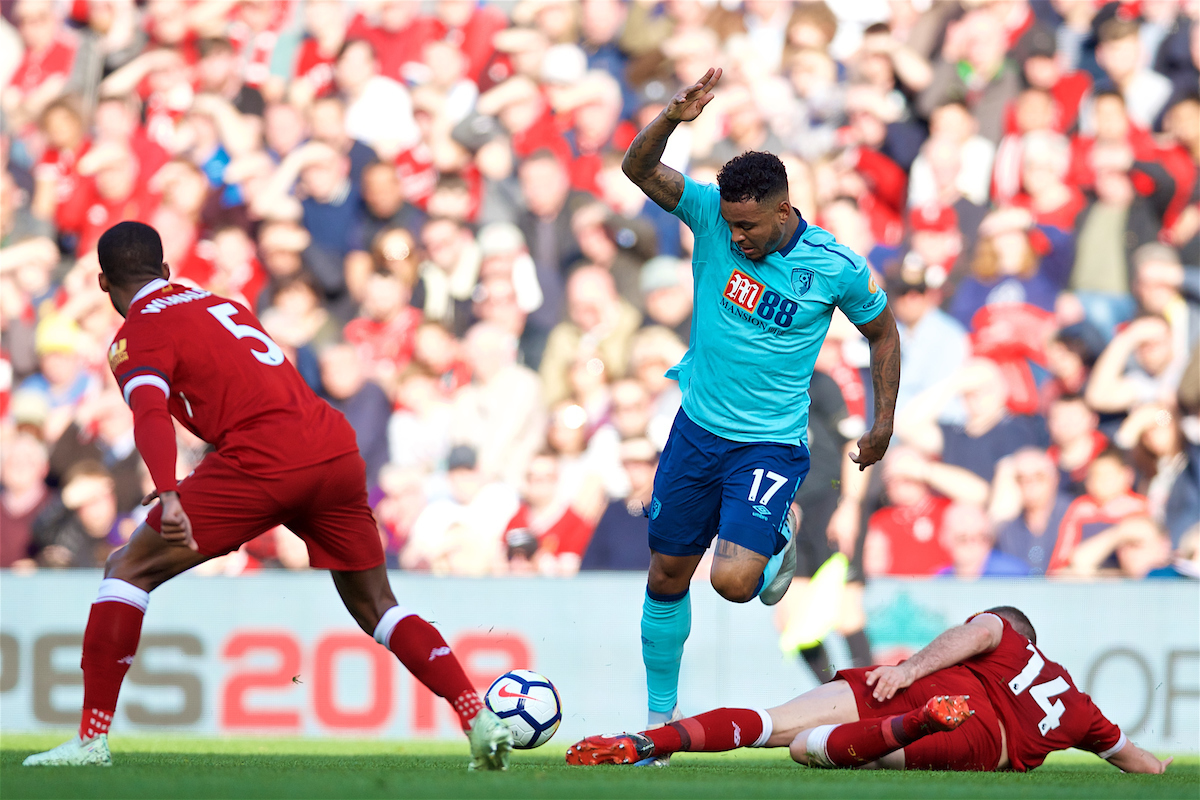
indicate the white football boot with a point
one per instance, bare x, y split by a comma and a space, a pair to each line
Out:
74, 753
774, 591
491, 742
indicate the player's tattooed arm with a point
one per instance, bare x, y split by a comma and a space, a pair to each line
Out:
642, 163
885, 380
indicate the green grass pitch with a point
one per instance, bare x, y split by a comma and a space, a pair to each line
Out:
295, 768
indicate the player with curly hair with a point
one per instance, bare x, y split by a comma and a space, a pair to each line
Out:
766, 285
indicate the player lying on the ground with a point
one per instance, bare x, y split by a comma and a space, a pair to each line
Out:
283, 457
980, 697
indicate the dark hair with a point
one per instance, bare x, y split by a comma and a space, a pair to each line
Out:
1114, 453
354, 42
1115, 28
214, 45
753, 176
130, 251
1016, 617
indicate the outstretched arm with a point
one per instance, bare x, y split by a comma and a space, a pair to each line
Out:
642, 162
951, 647
885, 380
1132, 758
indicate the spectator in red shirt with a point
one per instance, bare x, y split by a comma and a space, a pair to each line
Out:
325, 31
595, 106
398, 31
384, 334
904, 537
475, 25
45, 66
114, 193
1044, 71
118, 119
523, 111
1109, 500
56, 172
1045, 161
229, 267
562, 534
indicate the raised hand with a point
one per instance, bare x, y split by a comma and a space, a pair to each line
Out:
687, 104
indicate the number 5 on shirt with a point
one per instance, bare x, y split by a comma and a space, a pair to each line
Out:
272, 356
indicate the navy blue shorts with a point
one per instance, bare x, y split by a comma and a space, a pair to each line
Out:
708, 486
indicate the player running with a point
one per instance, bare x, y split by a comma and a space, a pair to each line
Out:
766, 284
980, 697
283, 457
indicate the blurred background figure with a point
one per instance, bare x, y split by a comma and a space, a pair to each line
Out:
968, 537
426, 208
619, 540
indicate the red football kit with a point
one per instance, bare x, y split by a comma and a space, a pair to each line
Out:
1038, 703
1014, 685
283, 456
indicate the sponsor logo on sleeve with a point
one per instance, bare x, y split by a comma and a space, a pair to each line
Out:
871, 287
117, 354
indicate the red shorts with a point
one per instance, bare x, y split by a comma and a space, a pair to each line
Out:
973, 746
325, 505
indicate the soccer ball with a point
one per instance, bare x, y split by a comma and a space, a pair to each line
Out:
529, 705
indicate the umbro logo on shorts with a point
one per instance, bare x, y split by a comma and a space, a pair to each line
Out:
762, 512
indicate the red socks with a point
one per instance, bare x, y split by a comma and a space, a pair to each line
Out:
109, 644
425, 653
711, 732
853, 744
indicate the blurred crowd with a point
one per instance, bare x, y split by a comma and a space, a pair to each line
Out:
423, 203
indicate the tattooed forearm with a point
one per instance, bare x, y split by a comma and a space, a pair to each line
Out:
661, 184
885, 365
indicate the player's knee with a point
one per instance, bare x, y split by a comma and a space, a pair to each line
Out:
734, 586
667, 576
798, 749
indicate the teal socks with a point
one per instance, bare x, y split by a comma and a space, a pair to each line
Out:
666, 623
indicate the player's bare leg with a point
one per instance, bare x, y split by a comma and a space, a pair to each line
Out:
111, 638
723, 729
737, 572
422, 650
880, 739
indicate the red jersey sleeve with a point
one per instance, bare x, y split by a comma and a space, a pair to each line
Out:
1103, 737
144, 366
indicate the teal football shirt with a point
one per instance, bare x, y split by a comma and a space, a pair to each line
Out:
757, 325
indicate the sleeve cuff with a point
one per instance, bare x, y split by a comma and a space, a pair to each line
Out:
1116, 748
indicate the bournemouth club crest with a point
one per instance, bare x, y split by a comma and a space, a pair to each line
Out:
802, 280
